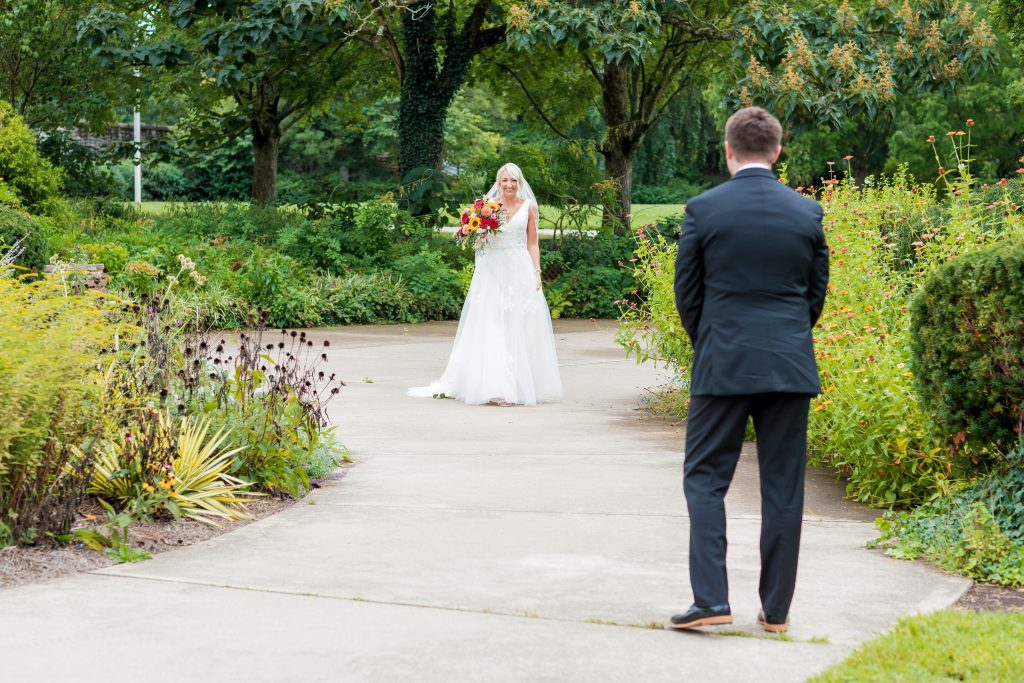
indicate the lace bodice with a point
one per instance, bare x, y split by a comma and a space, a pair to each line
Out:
513, 233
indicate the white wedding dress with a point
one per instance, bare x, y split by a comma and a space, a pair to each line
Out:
504, 347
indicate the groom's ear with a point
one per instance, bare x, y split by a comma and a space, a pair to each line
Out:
778, 151
728, 150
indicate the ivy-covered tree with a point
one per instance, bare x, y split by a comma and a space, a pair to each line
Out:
641, 53
432, 45
844, 67
46, 75
248, 66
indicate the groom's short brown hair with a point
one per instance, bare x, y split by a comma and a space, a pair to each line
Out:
753, 133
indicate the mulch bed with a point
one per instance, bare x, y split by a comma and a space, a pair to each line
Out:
20, 565
986, 598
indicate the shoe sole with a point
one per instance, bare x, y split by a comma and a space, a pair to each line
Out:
706, 621
774, 628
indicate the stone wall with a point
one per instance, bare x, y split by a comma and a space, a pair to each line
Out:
119, 133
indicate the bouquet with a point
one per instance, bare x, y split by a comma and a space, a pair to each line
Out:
481, 220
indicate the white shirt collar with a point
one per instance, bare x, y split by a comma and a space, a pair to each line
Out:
753, 164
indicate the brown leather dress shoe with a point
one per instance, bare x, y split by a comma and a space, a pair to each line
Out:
773, 623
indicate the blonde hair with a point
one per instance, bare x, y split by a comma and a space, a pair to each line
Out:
515, 172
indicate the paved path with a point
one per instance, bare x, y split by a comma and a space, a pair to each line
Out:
471, 544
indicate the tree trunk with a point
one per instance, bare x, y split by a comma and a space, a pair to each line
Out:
430, 82
421, 109
618, 163
266, 136
421, 117
622, 142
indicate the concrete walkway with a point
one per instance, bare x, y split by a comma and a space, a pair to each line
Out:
471, 544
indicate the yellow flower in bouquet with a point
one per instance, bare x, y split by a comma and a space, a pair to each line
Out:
484, 217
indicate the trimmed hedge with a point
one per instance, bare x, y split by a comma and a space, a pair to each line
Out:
967, 326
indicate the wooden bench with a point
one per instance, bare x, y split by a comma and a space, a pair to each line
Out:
80, 276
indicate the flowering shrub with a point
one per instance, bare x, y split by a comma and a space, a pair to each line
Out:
650, 328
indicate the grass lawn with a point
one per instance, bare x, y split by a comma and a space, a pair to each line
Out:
642, 213
156, 207
951, 645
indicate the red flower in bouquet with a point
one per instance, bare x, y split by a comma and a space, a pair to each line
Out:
485, 217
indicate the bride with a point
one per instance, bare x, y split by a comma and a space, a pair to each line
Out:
504, 350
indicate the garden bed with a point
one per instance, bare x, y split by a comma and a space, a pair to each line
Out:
20, 565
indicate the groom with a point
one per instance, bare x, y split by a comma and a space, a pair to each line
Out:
750, 283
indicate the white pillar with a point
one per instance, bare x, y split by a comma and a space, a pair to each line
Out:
138, 157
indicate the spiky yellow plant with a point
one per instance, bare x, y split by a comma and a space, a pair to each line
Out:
177, 465
204, 490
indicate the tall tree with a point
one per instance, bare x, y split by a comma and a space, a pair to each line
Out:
249, 66
46, 75
641, 53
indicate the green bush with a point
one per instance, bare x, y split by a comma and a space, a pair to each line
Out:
968, 344
163, 181
437, 290
33, 179
277, 285
84, 172
583, 276
17, 225
650, 328
53, 348
364, 298
678, 192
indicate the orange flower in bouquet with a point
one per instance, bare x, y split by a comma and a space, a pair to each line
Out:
479, 221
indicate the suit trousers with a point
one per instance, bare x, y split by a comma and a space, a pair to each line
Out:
714, 437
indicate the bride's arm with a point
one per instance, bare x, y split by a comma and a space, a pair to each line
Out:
533, 241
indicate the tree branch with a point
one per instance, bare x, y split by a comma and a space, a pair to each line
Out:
536, 105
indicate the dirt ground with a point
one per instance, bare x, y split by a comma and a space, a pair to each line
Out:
984, 598
20, 564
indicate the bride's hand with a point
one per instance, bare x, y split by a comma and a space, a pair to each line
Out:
536, 274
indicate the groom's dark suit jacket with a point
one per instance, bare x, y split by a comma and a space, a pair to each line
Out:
751, 276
